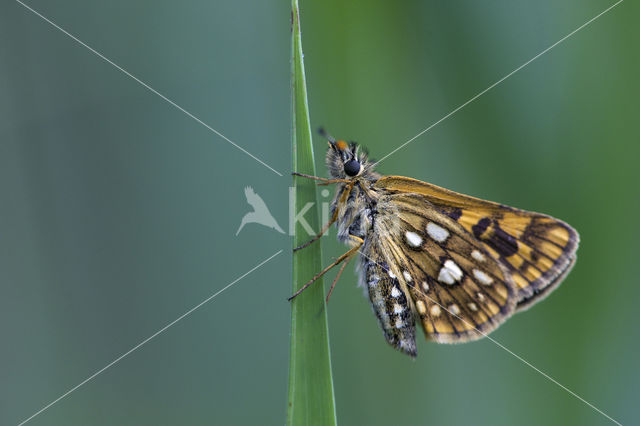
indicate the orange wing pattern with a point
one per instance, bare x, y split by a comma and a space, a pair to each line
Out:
537, 250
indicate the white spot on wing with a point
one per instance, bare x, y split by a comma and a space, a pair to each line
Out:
473, 306
481, 297
482, 276
435, 310
399, 323
437, 232
425, 286
450, 272
421, 307
477, 256
395, 292
398, 309
413, 239
392, 275
454, 309
407, 276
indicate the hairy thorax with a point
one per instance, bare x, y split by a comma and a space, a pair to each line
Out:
358, 212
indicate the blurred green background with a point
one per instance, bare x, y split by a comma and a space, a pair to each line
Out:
118, 212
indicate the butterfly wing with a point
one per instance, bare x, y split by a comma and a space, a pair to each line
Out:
536, 250
454, 286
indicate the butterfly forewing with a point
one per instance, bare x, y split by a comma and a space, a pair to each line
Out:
537, 250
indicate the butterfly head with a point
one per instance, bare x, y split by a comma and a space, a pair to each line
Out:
346, 160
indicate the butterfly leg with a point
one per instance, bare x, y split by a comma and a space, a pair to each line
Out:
324, 181
334, 217
330, 181
325, 228
344, 265
348, 254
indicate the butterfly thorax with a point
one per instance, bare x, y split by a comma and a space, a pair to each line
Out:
357, 212
355, 200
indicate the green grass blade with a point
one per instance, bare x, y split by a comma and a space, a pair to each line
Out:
311, 399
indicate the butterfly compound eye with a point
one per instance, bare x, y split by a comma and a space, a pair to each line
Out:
352, 167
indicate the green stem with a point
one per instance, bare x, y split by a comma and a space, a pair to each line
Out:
311, 398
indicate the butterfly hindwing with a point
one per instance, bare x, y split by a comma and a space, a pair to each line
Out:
537, 250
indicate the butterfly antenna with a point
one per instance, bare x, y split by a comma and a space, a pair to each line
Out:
326, 135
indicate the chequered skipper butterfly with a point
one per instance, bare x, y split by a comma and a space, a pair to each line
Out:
458, 265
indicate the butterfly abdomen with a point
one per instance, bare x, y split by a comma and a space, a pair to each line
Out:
391, 306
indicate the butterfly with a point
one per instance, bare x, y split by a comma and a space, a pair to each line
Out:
457, 265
